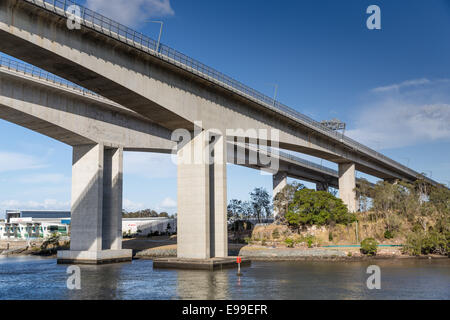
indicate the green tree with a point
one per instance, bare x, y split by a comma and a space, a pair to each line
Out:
235, 210
260, 201
282, 200
363, 192
310, 207
440, 198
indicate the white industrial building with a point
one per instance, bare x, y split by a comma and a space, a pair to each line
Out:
23, 225
37, 214
148, 226
30, 228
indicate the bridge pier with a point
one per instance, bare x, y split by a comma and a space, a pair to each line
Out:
96, 218
347, 185
279, 182
202, 198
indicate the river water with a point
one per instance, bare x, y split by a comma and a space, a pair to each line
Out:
42, 278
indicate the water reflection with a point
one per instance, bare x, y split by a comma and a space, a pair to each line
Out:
35, 278
201, 285
99, 283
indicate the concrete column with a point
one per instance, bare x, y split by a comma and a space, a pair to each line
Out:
347, 185
279, 182
96, 214
87, 198
219, 187
202, 200
193, 200
112, 199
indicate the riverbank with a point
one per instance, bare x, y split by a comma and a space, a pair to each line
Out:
148, 249
164, 247
29, 248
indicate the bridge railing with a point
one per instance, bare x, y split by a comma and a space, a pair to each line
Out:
282, 154
30, 70
109, 27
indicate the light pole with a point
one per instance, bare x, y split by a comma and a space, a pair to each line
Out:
160, 33
275, 94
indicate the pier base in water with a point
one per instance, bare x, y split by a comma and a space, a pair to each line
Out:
212, 264
94, 257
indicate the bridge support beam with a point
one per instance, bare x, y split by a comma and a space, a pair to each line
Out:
96, 213
279, 182
347, 185
202, 198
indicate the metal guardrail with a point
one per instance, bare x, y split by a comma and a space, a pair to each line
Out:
33, 71
281, 154
111, 28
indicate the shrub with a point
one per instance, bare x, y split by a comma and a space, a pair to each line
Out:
275, 234
330, 236
248, 240
413, 245
51, 242
388, 234
289, 242
310, 240
369, 246
432, 242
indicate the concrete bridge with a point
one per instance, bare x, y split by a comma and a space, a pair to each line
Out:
44, 103
153, 94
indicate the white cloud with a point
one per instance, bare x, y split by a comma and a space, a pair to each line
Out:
149, 165
131, 12
48, 204
404, 84
12, 161
417, 114
168, 203
131, 206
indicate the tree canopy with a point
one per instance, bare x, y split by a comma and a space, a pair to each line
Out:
258, 207
310, 207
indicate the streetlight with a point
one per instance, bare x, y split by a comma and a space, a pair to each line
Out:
160, 32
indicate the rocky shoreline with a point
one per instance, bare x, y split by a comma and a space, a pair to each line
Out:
252, 252
259, 253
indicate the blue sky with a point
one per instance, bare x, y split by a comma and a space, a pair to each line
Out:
391, 86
